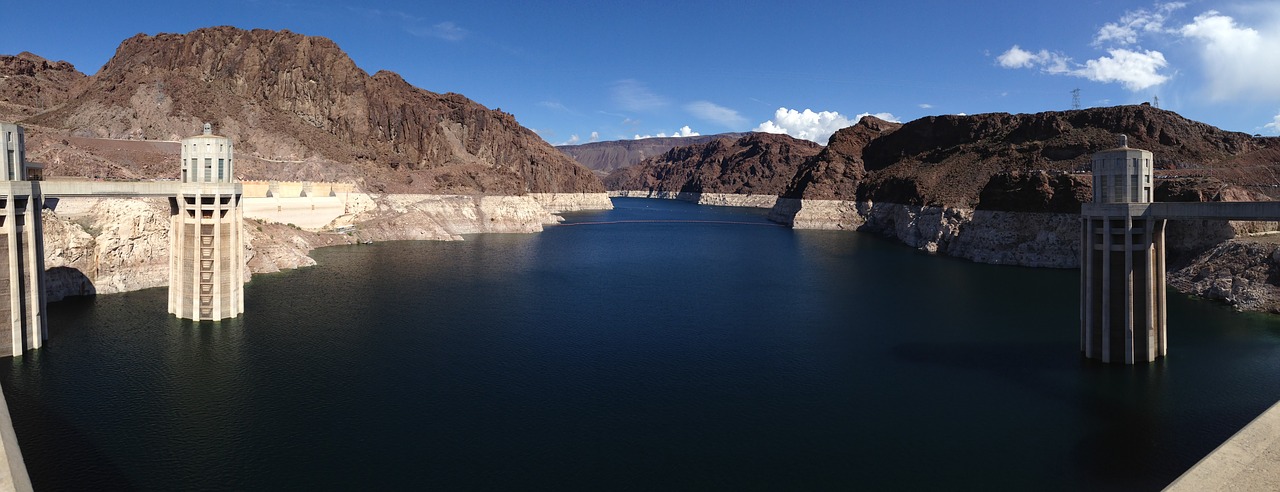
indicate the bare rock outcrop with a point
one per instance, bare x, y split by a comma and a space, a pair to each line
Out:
114, 246
106, 246
948, 160
30, 85
283, 96
604, 157
1244, 273
835, 172
103, 246
758, 164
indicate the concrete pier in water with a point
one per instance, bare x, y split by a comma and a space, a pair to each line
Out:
1122, 258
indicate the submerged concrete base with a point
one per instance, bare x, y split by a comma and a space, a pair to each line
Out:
1250, 460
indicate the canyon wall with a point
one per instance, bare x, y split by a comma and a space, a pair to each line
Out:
717, 199
103, 246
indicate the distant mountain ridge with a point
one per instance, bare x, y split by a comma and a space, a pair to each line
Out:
607, 156
950, 160
756, 164
291, 97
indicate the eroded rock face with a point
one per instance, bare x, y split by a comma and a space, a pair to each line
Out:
30, 84
289, 97
604, 157
948, 160
103, 246
834, 173
1244, 273
115, 246
758, 164
1036, 191
444, 217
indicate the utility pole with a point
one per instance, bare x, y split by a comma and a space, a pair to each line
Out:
1075, 98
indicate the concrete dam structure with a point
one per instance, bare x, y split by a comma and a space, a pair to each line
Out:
206, 269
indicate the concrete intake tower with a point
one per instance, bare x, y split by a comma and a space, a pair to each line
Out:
1122, 270
206, 263
22, 296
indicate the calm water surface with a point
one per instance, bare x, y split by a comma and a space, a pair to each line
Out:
718, 352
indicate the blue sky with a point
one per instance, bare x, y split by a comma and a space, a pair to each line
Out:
578, 71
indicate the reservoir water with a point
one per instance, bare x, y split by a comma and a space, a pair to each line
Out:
657, 346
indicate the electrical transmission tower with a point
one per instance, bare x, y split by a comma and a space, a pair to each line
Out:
1075, 99
1156, 101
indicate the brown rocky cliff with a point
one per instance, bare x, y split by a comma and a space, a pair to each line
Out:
30, 85
833, 174
760, 163
286, 96
948, 160
607, 156
1035, 191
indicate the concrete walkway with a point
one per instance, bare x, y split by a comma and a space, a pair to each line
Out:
13, 472
1250, 460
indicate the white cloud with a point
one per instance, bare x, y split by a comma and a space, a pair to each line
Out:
925, 106
556, 105
1274, 126
1135, 71
715, 113
633, 95
1017, 57
1239, 62
812, 126
447, 31
595, 136
684, 131
1237, 54
1133, 23
573, 140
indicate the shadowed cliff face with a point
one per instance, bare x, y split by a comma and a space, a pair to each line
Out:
286, 96
759, 164
949, 160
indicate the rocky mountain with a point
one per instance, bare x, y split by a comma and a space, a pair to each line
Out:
757, 164
30, 85
604, 157
948, 160
300, 100
834, 172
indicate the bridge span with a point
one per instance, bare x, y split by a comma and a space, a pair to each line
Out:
107, 189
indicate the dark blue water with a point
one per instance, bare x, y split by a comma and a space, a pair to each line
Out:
720, 352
